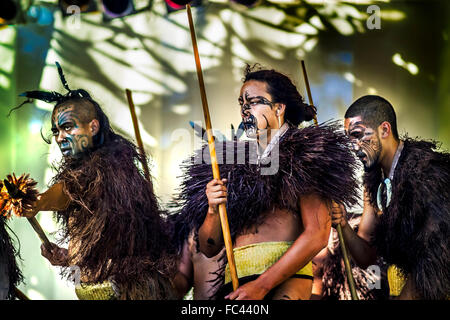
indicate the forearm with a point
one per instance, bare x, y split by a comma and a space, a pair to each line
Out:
54, 199
361, 251
210, 234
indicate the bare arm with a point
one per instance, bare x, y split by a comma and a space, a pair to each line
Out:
53, 199
210, 233
317, 226
359, 243
184, 277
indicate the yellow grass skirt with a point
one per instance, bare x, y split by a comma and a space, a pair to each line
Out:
97, 291
396, 280
258, 257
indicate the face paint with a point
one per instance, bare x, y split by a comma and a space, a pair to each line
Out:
72, 136
256, 108
365, 142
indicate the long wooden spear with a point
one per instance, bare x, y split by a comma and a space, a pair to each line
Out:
20, 295
137, 133
348, 269
212, 151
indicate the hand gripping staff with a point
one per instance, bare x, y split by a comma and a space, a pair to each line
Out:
348, 269
212, 152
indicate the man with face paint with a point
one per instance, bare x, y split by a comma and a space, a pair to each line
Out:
118, 247
279, 220
406, 212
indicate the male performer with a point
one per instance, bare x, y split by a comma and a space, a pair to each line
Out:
117, 243
280, 217
406, 213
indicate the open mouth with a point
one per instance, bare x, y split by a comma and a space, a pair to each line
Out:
250, 126
66, 151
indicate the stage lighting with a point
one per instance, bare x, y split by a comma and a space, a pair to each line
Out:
117, 8
247, 3
175, 5
8, 10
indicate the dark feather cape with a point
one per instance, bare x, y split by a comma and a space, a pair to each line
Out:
413, 231
311, 160
115, 220
8, 261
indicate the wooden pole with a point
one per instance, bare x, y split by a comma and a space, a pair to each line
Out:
41, 234
137, 133
212, 151
20, 295
348, 269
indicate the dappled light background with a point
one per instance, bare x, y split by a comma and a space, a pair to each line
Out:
403, 56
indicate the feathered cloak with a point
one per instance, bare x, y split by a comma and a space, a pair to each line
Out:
114, 221
311, 160
8, 262
413, 231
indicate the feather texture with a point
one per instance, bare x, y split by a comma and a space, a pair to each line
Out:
413, 231
311, 160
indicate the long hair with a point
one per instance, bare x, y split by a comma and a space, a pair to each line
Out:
8, 258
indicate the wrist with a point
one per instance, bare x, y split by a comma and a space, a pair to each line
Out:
264, 283
213, 210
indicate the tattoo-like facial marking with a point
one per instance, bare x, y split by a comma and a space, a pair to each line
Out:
365, 141
71, 134
256, 108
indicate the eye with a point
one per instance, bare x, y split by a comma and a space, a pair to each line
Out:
67, 127
55, 132
357, 134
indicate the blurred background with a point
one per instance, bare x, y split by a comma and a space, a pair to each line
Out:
397, 49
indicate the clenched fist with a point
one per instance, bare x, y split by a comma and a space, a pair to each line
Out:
216, 191
57, 256
338, 214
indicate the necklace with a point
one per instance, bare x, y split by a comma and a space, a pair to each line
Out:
387, 181
264, 157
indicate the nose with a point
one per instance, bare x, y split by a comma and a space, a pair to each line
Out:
60, 137
245, 110
355, 145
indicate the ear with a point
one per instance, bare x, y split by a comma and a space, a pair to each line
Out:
385, 129
94, 126
280, 109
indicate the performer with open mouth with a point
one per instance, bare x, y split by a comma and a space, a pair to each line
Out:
279, 219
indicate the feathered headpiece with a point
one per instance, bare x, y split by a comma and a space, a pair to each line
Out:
53, 96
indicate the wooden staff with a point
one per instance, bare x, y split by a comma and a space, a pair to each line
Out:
20, 295
348, 269
41, 234
138, 133
212, 151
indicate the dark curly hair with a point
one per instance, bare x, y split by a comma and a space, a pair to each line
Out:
282, 90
